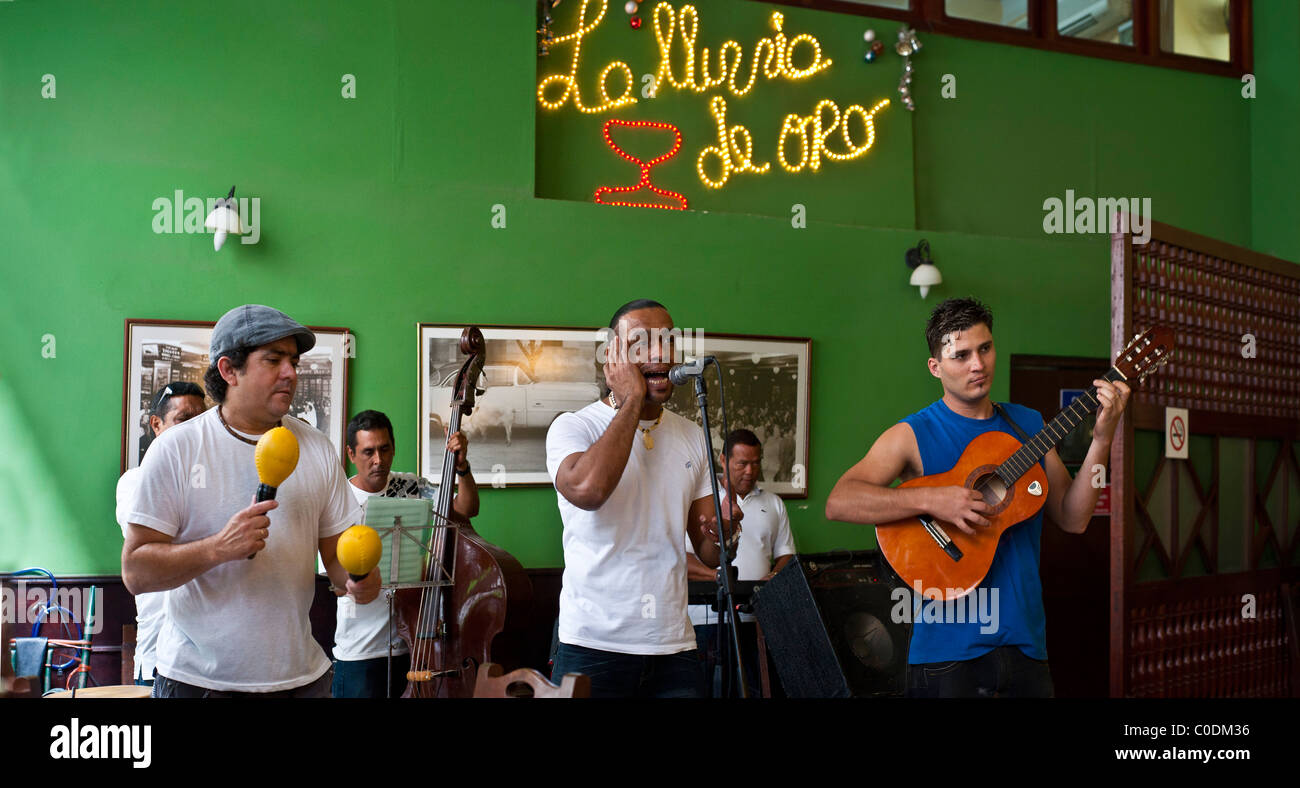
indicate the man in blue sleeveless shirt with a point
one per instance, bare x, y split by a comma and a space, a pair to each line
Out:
1000, 647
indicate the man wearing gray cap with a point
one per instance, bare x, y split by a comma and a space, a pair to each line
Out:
237, 626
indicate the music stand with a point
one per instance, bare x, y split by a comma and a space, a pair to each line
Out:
398, 521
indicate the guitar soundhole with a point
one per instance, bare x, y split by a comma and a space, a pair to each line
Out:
989, 485
992, 488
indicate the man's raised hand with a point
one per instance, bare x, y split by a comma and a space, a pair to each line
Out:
622, 376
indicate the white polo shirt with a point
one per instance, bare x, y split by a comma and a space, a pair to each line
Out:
764, 537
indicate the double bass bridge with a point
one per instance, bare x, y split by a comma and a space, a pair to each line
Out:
432, 627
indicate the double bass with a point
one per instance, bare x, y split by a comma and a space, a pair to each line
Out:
482, 616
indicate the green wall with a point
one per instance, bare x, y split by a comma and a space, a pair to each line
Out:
376, 214
1275, 127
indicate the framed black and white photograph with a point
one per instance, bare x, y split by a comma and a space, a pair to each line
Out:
767, 390
159, 352
531, 375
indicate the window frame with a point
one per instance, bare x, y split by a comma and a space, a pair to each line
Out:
930, 16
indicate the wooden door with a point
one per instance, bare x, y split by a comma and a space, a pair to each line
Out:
1074, 567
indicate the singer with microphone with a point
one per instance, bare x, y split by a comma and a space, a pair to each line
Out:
632, 483
236, 626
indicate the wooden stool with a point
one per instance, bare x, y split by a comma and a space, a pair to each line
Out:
110, 691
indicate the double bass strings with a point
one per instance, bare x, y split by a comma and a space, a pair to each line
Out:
424, 647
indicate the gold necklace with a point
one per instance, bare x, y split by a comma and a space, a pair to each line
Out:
646, 437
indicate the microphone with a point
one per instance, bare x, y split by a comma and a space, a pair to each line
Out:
679, 374
359, 551
276, 456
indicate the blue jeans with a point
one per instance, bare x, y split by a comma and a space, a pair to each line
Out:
164, 687
616, 675
367, 678
706, 640
1004, 672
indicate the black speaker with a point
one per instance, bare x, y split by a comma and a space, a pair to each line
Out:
827, 621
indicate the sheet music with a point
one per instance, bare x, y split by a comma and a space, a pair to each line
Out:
416, 514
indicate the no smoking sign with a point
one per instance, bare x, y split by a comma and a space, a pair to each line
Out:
1176, 433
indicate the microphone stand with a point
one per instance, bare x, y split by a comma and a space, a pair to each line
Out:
726, 601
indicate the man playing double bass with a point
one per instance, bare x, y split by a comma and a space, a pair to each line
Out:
361, 634
961, 657
632, 482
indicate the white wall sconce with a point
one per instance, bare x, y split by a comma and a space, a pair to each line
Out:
224, 218
924, 272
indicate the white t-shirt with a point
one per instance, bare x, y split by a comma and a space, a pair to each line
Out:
764, 537
624, 586
243, 625
149, 608
361, 631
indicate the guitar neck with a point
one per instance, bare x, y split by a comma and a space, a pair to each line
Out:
1054, 432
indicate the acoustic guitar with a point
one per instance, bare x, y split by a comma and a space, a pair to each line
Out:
948, 563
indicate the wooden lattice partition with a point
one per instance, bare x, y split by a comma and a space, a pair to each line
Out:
1186, 635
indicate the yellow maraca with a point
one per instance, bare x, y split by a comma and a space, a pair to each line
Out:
359, 550
276, 456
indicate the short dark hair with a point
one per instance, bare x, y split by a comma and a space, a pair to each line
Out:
212, 380
632, 306
368, 420
954, 314
163, 397
743, 437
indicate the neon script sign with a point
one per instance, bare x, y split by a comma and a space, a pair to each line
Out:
678, 202
776, 54
826, 133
